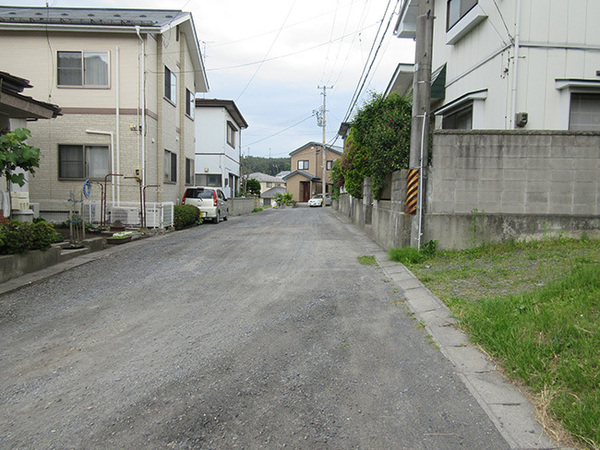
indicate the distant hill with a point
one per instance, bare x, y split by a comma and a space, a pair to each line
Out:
270, 166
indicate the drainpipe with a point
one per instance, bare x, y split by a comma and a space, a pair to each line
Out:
117, 120
421, 187
143, 95
516, 64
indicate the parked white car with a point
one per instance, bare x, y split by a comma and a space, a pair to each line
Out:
211, 202
317, 200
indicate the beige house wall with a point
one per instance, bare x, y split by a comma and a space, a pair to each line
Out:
311, 153
114, 110
293, 186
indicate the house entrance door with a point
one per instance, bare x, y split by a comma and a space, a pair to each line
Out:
304, 191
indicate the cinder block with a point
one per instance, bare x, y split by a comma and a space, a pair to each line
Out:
536, 197
560, 198
536, 208
514, 174
562, 176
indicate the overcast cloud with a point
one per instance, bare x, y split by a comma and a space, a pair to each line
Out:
270, 57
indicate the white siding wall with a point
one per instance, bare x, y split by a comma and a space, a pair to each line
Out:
478, 61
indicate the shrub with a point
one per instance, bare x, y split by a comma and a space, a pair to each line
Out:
284, 199
20, 237
44, 235
186, 216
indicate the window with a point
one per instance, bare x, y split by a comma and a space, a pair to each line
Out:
303, 164
190, 103
89, 69
231, 132
189, 171
585, 112
78, 162
329, 165
457, 9
459, 120
214, 180
170, 86
170, 167
269, 184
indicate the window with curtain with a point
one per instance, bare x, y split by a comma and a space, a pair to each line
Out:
78, 162
86, 69
170, 166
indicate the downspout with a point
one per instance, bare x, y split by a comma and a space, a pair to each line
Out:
420, 192
143, 95
117, 120
516, 64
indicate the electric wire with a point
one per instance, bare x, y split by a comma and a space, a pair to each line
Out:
268, 51
365, 73
292, 53
281, 131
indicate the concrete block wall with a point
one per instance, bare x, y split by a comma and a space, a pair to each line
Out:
490, 185
515, 172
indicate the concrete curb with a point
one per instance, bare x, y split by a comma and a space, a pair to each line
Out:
507, 407
54, 269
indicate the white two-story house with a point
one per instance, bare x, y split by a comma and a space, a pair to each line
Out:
218, 144
126, 81
529, 64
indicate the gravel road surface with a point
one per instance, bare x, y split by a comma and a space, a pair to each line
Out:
260, 332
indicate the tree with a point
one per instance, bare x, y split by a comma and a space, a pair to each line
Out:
16, 154
378, 143
253, 187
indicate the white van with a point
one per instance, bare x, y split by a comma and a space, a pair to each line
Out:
211, 202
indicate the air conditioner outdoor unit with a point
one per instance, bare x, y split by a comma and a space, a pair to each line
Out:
129, 216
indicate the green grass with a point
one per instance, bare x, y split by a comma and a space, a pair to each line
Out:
535, 308
367, 260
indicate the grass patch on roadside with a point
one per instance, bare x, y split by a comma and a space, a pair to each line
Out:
367, 260
535, 308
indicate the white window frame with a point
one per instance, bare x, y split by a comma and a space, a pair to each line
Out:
231, 134
465, 24
190, 105
170, 167
568, 87
85, 56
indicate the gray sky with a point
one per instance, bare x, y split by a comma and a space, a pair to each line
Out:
270, 57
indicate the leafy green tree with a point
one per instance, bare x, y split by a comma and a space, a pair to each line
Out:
16, 154
378, 143
337, 177
253, 187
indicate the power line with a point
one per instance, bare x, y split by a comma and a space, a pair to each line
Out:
268, 51
293, 53
281, 131
365, 73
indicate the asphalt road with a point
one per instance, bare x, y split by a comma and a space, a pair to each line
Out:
260, 332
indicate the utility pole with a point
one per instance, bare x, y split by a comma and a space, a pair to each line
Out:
323, 123
419, 150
